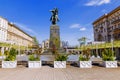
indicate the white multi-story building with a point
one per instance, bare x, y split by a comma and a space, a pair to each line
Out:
45, 44
107, 27
3, 29
18, 36
96, 42
11, 34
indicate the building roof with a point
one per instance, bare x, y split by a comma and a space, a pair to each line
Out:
16, 26
106, 15
19, 29
4, 18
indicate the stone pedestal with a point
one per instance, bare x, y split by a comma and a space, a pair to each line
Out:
54, 37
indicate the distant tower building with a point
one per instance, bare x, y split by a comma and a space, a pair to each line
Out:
45, 44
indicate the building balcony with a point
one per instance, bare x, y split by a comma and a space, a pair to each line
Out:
116, 21
116, 31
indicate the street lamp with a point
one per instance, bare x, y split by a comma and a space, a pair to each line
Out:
112, 44
11, 43
112, 40
19, 49
96, 50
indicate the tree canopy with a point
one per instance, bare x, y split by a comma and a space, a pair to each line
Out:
35, 41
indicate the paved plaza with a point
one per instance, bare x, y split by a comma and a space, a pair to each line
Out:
50, 73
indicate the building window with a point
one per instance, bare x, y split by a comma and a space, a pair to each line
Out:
119, 25
104, 30
105, 38
119, 36
115, 27
112, 27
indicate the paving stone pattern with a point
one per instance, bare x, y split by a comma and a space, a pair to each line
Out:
69, 73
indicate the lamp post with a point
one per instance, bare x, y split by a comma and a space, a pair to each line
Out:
112, 40
112, 44
2, 51
96, 50
27, 49
19, 49
11, 44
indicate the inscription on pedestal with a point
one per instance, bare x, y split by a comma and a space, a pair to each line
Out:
54, 36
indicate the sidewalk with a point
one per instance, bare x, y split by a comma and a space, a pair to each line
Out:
50, 73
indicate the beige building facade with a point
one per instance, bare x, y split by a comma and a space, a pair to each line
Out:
17, 36
3, 29
11, 34
107, 27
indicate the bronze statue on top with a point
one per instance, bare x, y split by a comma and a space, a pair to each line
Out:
54, 18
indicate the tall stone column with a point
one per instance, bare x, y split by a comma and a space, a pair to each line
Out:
54, 37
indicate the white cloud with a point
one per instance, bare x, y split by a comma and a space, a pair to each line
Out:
97, 2
75, 26
82, 29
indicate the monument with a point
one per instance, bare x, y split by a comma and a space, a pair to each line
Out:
54, 30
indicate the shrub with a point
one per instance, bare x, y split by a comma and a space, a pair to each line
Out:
61, 57
85, 56
6, 53
108, 55
10, 58
33, 58
13, 52
0, 53
11, 55
21, 51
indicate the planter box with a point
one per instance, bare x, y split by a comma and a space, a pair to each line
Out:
9, 64
2, 57
110, 64
85, 64
34, 64
59, 64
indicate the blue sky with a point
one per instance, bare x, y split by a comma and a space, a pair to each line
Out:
76, 16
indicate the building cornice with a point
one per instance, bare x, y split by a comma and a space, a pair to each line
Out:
4, 18
106, 15
19, 36
9, 23
19, 29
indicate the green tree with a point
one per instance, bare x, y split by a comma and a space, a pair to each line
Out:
108, 55
12, 55
6, 53
0, 53
85, 56
82, 40
35, 41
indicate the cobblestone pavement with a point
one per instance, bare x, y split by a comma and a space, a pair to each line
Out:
50, 73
